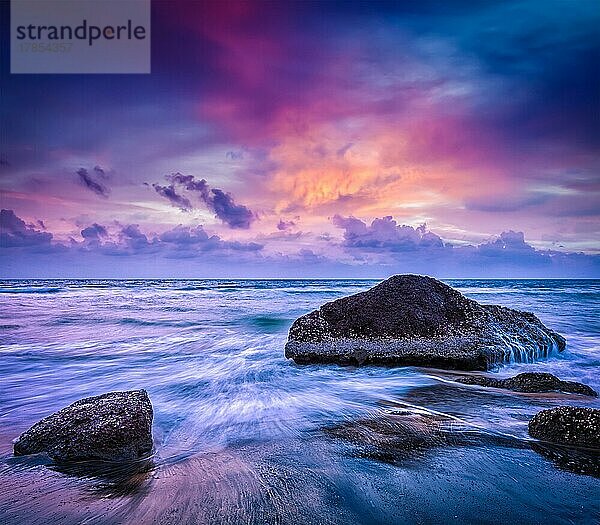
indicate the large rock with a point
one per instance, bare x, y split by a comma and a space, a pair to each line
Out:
576, 426
116, 426
416, 320
531, 382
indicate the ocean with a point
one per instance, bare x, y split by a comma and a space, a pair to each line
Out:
241, 432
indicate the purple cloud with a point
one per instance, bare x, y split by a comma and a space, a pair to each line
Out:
178, 242
169, 193
285, 225
385, 233
232, 214
94, 232
101, 172
92, 184
380, 248
190, 183
188, 241
236, 216
384, 243
15, 233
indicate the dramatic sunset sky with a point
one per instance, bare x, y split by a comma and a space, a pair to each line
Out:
317, 139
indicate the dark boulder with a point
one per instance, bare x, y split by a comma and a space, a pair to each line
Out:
420, 321
575, 426
531, 382
116, 426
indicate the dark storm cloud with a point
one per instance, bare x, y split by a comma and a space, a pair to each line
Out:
89, 182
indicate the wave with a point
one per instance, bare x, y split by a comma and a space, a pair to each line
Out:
268, 323
145, 322
36, 289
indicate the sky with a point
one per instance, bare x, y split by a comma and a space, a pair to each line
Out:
315, 139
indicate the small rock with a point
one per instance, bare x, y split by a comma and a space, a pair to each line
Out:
115, 426
565, 425
531, 382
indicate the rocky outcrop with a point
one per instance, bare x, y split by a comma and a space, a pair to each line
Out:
116, 426
531, 382
420, 321
575, 426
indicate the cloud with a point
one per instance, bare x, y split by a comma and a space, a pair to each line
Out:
285, 225
507, 241
234, 155
189, 182
133, 238
94, 232
191, 240
178, 242
101, 172
218, 201
384, 243
342, 151
385, 233
379, 248
89, 182
502, 203
232, 214
169, 193
15, 233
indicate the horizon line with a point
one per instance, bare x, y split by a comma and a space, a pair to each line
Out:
293, 278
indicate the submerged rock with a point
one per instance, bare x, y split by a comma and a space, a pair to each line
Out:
399, 435
393, 436
420, 321
576, 426
578, 460
531, 382
116, 426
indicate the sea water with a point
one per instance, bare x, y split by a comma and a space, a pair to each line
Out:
240, 431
